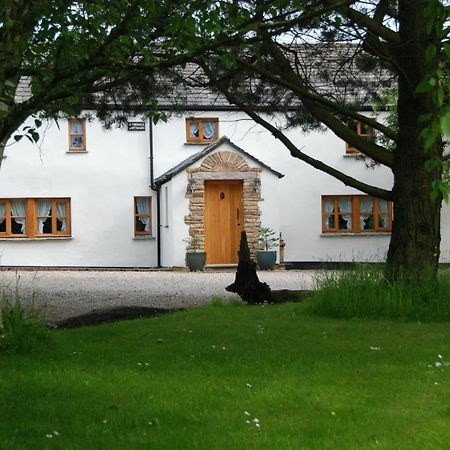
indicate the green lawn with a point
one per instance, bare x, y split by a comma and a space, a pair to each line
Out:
205, 378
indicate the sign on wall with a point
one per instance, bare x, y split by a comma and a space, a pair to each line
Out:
136, 126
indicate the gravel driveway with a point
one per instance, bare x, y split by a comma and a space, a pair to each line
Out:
60, 294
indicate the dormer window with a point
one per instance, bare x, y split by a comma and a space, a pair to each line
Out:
202, 130
77, 135
361, 129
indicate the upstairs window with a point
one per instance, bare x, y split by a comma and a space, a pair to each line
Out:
355, 214
77, 135
361, 129
202, 130
34, 217
142, 216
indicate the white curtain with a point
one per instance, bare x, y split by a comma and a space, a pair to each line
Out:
2, 212
43, 211
18, 210
76, 127
328, 207
193, 129
366, 209
345, 209
61, 215
209, 130
383, 211
143, 210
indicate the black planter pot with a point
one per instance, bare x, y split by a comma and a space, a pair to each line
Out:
266, 259
195, 260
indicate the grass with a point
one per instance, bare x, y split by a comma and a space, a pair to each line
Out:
365, 293
20, 330
186, 381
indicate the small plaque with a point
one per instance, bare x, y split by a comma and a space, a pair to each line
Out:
136, 126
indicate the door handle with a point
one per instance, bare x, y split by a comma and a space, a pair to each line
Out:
237, 213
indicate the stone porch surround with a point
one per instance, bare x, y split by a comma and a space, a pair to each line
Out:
224, 165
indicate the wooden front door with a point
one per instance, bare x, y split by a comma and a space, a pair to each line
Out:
224, 220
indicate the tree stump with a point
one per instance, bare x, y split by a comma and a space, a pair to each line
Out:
247, 284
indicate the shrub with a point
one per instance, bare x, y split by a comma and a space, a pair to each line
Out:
365, 292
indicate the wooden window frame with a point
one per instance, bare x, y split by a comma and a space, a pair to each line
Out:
136, 215
83, 134
359, 132
356, 214
31, 218
201, 122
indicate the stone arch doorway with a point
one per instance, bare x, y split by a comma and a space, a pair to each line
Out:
226, 173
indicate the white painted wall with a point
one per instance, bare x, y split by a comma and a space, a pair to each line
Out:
103, 181
101, 184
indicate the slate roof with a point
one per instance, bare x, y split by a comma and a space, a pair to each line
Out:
313, 62
165, 177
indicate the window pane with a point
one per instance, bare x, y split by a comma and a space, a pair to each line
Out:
367, 222
194, 129
209, 130
76, 141
328, 209
345, 210
2, 217
46, 226
76, 127
140, 225
383, 221
366, 213
366, 129
18, 214
353, 125
61, 221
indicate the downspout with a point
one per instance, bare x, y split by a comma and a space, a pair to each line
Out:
156, 189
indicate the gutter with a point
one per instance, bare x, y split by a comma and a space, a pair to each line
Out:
156, 188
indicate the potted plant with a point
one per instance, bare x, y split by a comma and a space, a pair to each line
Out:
195, 258
268, 240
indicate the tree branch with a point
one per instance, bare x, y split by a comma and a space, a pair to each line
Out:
374, 151
373, 26
302, 91
296, 153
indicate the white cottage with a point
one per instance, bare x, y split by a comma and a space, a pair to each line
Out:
86, 196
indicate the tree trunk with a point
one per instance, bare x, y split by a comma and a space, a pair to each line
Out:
415, 241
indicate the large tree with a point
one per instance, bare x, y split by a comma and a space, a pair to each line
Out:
313, 70
56, 54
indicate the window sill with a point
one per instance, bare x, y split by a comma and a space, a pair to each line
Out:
77, 151
200, 143
143, 238
53, 238
366, 233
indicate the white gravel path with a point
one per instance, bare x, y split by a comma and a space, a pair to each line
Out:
60, 294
